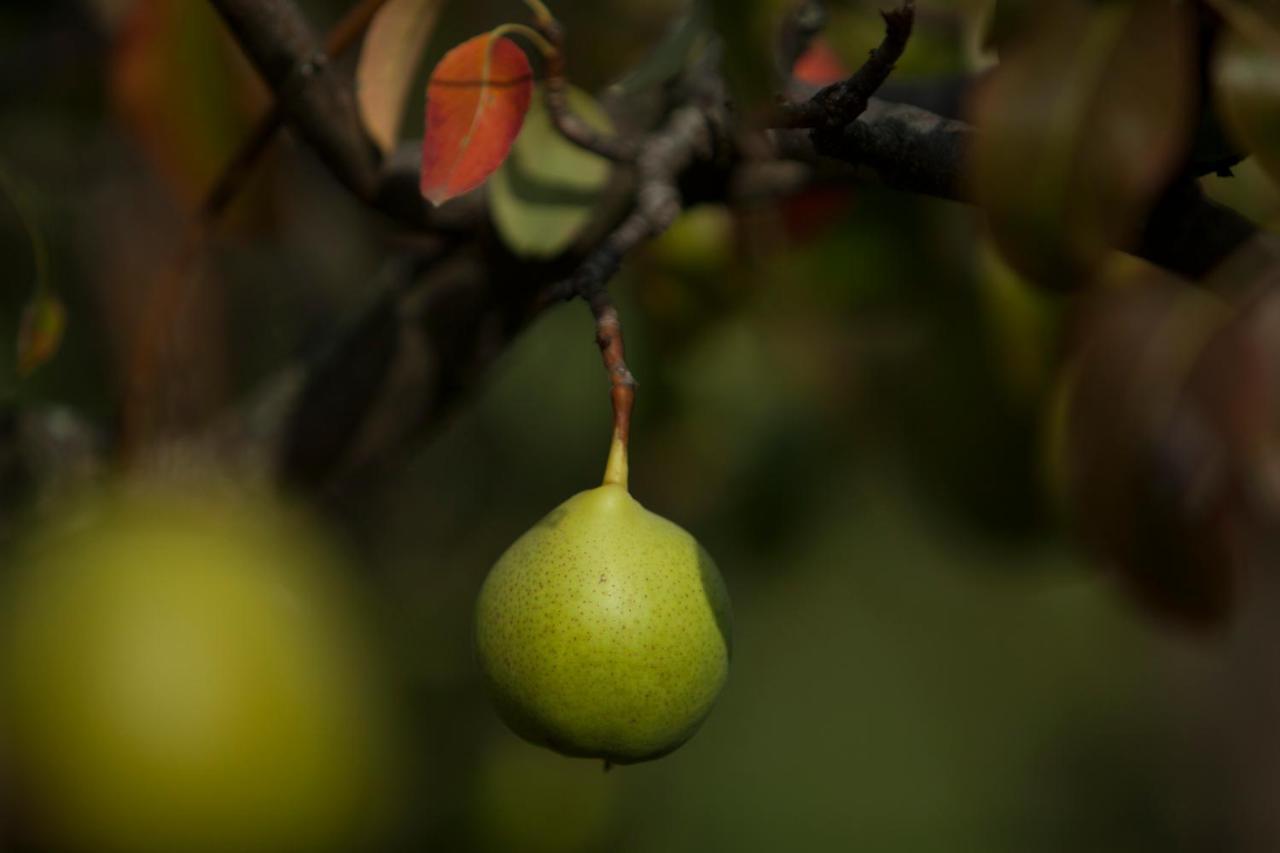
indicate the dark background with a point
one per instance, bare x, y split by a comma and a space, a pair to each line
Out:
846, 398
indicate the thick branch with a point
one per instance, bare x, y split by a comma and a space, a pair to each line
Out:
317, 102
228, 183
916, 151
905, 147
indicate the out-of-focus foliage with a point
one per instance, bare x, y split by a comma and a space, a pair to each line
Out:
670, 56
857, 416
1248, 79
748, 32
40, 331
44, 317
549, 189
1093, 104
1139, 483
391, 52
181, 87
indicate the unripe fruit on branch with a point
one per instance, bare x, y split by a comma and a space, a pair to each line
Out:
604, 631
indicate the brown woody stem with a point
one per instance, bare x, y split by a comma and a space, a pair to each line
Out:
622, 390
555, 93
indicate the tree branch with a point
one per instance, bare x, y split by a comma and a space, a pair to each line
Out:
317, 101
840, 103
397, 374
555, 93
346, 412
228, 183
913, 150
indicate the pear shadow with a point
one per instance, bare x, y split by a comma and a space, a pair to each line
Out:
717, 597
553, 518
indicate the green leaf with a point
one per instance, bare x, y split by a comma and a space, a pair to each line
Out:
1081, 126
1247, 78
548, 189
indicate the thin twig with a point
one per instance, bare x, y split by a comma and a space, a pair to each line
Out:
664, 156
555, 93
842, 102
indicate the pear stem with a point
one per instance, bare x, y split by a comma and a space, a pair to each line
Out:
622, 390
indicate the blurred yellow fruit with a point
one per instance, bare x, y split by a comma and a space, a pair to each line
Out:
699, 243
180, 672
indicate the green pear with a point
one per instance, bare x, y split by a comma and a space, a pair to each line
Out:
604, 631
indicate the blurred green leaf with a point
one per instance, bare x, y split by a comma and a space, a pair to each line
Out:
1247, 77
40, 332
548, 188
747, 31
1023, 324
392, 49
1081, 125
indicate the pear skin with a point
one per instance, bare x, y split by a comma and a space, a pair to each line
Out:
604, 631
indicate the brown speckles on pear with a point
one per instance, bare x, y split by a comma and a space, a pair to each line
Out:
604, 630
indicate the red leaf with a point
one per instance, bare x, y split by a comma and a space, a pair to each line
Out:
476, 102
819, 65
